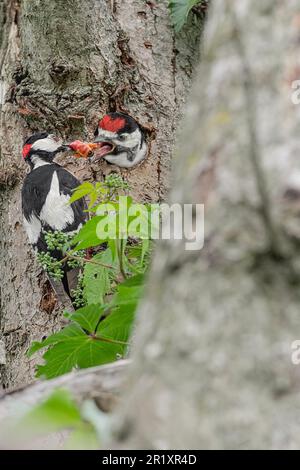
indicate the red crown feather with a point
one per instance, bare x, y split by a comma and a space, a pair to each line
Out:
26, 150
108, 123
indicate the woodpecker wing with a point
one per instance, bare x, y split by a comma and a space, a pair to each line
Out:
35, 189
45, 195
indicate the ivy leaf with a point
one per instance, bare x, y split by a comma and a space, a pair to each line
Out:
180, 10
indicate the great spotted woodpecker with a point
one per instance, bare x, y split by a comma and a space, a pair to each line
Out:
45, 195
120, 141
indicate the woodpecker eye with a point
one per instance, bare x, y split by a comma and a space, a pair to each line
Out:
122, 137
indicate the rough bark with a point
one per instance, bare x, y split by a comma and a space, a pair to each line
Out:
102, 384
212, 358
63, 64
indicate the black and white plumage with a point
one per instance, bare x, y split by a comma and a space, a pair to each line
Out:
45, 195
121, 140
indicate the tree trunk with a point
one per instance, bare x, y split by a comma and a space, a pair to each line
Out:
102, 384
63, 65
212, 358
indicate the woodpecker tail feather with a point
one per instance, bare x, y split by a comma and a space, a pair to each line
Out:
70, 280
62, 295
63, 289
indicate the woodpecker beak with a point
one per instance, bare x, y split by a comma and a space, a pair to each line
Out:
90, 150
56, 139
64, 148
102, 149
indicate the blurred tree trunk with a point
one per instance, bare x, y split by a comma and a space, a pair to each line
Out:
212, 358
63, 64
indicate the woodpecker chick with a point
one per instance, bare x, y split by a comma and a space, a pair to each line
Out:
120, 141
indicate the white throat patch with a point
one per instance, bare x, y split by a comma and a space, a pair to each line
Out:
122, 160
38, 161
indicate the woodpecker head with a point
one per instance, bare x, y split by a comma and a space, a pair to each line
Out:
41, 146
120, 140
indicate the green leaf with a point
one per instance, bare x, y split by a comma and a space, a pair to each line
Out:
97, 352
88, 317
145, 249
72, 347
180, 10
87, 236
87, 341
130, 291
97, 278
58, 411
112, 244
118, 325
82, 438
69, 332
84, 351
93, 199
83, 190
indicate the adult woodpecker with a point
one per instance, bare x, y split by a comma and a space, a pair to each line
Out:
45, 195
120, 141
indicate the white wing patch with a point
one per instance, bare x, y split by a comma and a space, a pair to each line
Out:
56, 211
33, 228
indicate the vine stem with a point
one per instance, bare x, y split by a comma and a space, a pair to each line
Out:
109, 340
120, 251
86, 261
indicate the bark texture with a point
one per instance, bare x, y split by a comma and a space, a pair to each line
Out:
63, 64
102, 384
212, 359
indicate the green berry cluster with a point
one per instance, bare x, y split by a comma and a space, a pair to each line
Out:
115, 181
57, 240
77, 294
51, 265
77, 263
